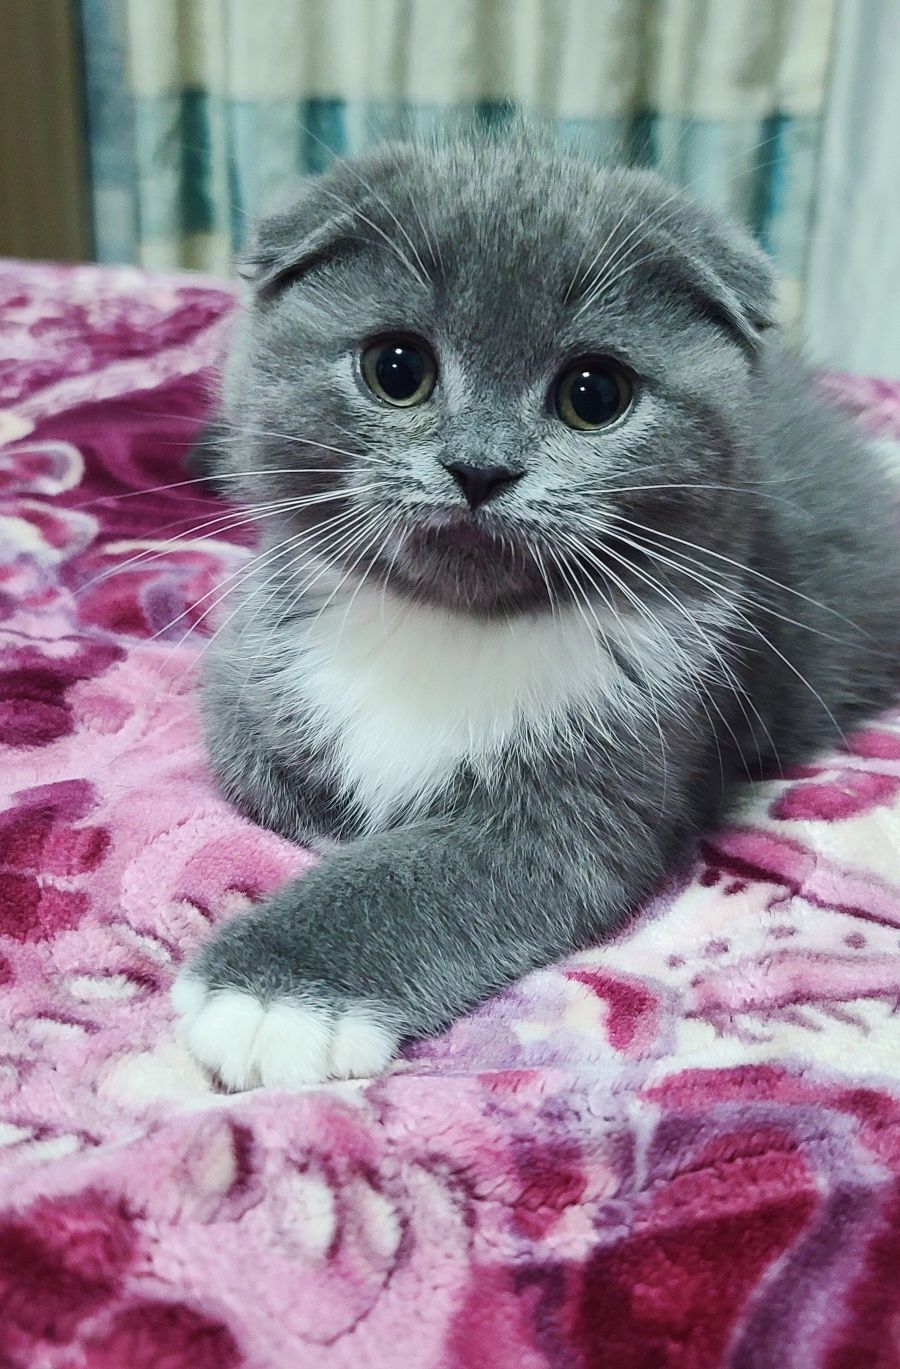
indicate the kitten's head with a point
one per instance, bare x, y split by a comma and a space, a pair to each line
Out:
481, 369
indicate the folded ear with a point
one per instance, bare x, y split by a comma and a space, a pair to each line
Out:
730, 277
313, 227
736, 281
694, 251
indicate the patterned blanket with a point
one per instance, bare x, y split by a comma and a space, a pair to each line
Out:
677, 1151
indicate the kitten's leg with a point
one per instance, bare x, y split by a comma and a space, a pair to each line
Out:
299, 801
397, 934
299, 805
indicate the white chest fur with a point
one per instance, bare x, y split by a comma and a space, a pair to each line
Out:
403, 694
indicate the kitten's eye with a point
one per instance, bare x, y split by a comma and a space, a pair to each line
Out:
592, 394
399, 371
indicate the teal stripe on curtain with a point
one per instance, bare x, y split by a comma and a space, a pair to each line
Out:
172, 146
112, 154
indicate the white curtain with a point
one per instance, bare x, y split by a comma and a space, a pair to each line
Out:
198, 110
852, 316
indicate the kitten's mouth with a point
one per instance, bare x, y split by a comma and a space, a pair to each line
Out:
465, 561
455, 533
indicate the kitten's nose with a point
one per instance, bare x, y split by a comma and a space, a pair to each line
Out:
481, 483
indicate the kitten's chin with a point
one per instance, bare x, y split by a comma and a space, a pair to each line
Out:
465, 566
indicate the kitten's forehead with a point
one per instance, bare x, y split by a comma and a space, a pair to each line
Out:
512, 212
507, 242
512, 235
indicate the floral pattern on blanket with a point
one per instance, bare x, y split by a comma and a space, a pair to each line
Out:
680, 1149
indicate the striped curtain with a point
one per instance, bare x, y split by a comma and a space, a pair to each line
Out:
199, 110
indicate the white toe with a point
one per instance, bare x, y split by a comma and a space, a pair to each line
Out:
284, 1044
188, 994
223, 1037
360, 1046
292, 1046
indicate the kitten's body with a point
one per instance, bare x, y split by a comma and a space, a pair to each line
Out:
516, 745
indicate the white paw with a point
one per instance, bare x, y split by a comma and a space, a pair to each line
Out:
283, 1044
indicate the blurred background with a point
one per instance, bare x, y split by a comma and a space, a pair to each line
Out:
152, 131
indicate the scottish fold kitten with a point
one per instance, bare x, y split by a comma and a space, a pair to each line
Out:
556, 546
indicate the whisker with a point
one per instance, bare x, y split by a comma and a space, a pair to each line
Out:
233, 432
204, 480
391, 527
600, 284
586, 612
242, 571
729, 675
700, 485
604, 281
265, 557
681, 608
707, 577
534, 548
741, 566
178, 543
222, 524
752, 627
345, 551
240, 431
389, 570
597, 256
628, 264
351, 536
345, 525
430, 239
651, 695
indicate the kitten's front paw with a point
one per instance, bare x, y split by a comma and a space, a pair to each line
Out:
283, 1043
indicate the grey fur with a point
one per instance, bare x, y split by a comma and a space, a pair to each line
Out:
491, 251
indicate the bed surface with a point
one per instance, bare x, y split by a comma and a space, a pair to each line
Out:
682, 1149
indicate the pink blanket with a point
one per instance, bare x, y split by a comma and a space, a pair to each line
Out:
681, 1149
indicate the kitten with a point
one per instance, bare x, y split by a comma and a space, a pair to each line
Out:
557, 545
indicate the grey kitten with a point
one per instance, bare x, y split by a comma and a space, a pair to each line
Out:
557, 545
